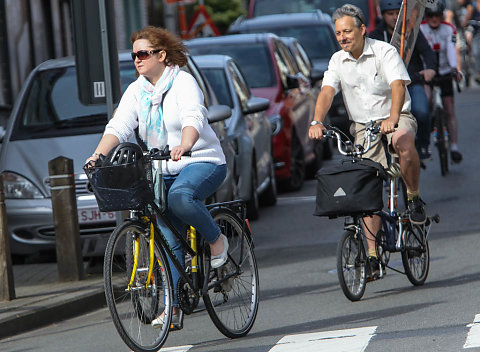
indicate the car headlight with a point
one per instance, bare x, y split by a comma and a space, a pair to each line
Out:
277, 123
18, 187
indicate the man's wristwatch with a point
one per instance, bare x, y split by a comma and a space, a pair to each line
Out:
313, 123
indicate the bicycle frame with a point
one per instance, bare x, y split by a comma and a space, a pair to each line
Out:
191, 248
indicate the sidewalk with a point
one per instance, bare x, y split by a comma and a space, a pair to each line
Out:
41, 299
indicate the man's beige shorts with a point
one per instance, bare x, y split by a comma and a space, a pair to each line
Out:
377, 151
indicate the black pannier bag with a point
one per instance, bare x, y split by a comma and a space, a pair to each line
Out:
351, 187
122, 187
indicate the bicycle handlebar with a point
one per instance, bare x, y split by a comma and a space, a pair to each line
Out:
162, 154
347, 147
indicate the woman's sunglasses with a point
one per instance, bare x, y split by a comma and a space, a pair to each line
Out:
144, 54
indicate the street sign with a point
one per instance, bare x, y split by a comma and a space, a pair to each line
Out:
415, 10
202, 24
87, 35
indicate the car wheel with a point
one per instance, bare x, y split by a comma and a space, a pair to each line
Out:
269, 195
253, 204
297, 165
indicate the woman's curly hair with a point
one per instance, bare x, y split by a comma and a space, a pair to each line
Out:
161, 38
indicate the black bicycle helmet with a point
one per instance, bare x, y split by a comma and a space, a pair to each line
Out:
124, 153
387, 5
436, 10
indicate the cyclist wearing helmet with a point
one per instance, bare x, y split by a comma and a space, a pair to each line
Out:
442, 37
421, 68
166, 104
372, 77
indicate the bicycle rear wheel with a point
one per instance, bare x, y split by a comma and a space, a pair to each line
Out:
232, 297
416, 254
351, 266
442, 141
133, 308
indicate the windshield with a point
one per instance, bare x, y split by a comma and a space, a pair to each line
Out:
253, 59
318, 41
52, 107
271, 7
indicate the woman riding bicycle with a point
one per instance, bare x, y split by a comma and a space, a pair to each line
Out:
372, 77
167, 106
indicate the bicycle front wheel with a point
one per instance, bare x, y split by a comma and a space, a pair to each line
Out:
351, 266
133, 302
232, 297
416, 254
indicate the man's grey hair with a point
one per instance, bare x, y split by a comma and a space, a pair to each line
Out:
349, 10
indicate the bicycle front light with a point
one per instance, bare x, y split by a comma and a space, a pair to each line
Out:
18, 187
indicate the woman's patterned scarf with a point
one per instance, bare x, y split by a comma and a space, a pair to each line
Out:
151, 126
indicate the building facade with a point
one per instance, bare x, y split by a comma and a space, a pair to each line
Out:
32, 31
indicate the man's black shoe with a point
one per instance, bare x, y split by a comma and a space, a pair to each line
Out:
424, 153
373, 268
416, 211
456, 156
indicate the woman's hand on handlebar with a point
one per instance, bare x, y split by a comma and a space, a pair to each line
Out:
316, 131
388, 125
177, 152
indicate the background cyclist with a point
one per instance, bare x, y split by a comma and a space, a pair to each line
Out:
421, 69
179, 121
442, 36
372, 77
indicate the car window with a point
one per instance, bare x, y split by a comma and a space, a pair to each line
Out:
271, 7
51, 106
284, 62
254, 60
218, 81
239, 84
302, 59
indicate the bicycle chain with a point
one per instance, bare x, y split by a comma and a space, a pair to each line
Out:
187, 298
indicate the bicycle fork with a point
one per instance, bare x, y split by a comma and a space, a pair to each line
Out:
136, 251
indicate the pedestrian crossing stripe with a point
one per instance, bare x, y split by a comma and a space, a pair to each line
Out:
176, 349
473, 337
348, 340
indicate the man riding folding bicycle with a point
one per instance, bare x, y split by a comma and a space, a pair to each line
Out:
372, 78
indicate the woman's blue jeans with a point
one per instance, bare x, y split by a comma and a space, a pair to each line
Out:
421, 110
185, 195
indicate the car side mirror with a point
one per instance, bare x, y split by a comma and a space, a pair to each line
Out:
218, 113
316, 76
256, 104
292, 82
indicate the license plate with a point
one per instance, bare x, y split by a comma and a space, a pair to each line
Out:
91, 216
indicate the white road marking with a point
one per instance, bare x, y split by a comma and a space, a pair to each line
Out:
176, 349
348, 340
473, 337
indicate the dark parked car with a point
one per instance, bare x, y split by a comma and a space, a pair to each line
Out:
248, 128
47, 121
271, 73
315, 33
269, 7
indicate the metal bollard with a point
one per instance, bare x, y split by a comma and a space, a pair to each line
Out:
7, 287
65, 216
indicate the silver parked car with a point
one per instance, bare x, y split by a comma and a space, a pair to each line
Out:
48, 121
249, 128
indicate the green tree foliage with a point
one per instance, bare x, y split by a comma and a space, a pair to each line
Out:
224, 12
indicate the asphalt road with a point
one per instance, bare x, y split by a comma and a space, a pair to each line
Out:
299, 290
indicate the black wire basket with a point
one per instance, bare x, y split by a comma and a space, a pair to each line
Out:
122, 187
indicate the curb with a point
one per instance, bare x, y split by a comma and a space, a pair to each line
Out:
35, 318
